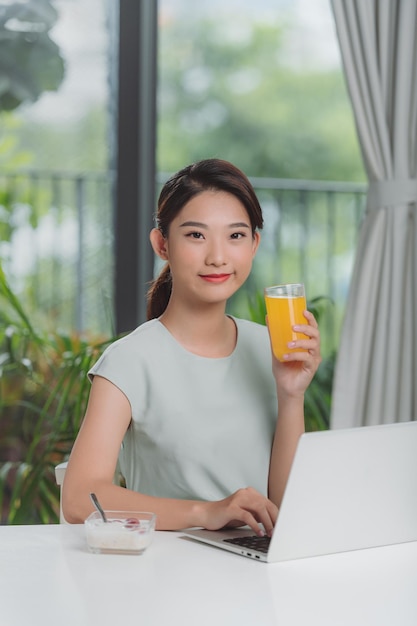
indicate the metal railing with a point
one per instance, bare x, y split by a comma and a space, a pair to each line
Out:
56, 234
56, 246
310, 236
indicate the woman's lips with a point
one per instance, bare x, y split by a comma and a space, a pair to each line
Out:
215, 278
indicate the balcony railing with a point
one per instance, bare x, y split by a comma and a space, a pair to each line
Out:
56, 233
56, 246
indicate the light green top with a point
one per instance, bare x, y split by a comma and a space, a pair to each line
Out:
201, 427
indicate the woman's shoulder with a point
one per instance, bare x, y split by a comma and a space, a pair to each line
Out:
248, 328
141, 336
253, 352
132, 349
252, 336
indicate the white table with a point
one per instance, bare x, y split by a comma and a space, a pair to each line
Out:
47, 577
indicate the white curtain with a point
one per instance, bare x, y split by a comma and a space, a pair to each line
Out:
375, 378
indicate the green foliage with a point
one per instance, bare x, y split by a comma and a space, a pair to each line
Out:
21, 196
12, 156
30, 62
43, 396
73, 145
234, 97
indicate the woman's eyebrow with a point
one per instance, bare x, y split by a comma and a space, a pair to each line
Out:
201, 225
194, 224
239, 225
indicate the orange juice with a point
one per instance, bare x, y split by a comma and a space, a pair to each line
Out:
283, 312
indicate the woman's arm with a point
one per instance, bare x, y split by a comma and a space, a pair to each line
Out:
292, 379
289, 428
92, 465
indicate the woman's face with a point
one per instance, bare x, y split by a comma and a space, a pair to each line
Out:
210, 248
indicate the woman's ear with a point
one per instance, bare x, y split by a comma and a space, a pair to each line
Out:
159, 243
256, 241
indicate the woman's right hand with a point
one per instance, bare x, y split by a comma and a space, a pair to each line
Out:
244, 507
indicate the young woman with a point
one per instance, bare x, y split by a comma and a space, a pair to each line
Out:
202, 418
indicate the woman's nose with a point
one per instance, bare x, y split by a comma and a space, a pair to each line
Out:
216, 254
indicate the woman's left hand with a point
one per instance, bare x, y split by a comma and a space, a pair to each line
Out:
295, 373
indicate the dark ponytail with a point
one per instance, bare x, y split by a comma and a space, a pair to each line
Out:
207, 175
159, 293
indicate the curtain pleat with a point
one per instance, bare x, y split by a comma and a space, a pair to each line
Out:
375, 376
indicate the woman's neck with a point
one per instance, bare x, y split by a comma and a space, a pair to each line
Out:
208, 332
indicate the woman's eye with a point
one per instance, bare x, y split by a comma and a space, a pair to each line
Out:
195, 235
237, 235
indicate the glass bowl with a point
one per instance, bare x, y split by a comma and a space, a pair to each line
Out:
125, 532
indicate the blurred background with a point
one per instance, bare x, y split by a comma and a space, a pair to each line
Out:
259, 84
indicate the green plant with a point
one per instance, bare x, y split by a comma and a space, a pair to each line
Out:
43, 395
318, 396
31, 60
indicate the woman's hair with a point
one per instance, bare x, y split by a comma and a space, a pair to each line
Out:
207, 175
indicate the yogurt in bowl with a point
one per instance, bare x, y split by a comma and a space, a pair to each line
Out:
125, 532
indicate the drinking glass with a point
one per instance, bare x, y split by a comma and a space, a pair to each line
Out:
285, 305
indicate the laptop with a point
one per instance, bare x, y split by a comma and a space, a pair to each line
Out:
347, 490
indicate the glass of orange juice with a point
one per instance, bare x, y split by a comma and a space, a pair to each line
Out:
285, 305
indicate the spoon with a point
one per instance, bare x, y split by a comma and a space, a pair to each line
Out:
98, 506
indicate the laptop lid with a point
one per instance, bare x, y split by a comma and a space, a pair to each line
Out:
348, 489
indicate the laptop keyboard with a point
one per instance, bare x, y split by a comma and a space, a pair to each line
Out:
261, 544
